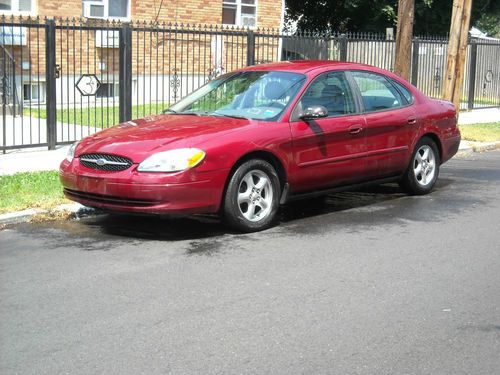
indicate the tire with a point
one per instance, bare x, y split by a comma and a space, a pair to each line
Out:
423, 170
252, 196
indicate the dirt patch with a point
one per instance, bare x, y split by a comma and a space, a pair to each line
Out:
53, 215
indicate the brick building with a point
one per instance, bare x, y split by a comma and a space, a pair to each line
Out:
250, 13
180, 48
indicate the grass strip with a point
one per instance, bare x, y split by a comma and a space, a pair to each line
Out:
30, 190
487, 132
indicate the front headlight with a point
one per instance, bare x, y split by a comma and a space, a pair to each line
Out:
172, 161
71, 152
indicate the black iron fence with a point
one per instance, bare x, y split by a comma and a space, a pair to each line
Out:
64, 79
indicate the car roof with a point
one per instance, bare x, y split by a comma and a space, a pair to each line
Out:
305, 66
308, 66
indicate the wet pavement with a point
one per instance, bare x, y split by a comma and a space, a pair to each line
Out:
364, 282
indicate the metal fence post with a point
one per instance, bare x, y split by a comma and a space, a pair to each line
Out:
472, 75
343, 47
14, 88
250, 48
414, 62
50, 77
4, 98
125, 84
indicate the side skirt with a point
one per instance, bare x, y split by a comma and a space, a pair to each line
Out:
288, 197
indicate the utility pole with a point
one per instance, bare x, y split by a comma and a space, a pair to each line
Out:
404, 35
455, 63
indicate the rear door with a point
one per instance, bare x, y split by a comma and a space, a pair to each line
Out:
328, 151
389, 119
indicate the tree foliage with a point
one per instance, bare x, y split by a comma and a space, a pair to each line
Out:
431, 16
486, 17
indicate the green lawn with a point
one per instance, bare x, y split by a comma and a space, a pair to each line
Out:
99, 117
30, 190
488, 132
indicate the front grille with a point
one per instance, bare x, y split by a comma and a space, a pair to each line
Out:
105, 162
108, 199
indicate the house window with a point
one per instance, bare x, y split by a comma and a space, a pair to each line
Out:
119, 9
16, 6
107, 90
239, 12
34, 92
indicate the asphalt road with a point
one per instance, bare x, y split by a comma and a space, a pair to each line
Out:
369, 282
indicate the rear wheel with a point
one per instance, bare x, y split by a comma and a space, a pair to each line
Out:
422, 173
252, 196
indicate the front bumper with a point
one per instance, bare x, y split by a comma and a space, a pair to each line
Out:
139, 192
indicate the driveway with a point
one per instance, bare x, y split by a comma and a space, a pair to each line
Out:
367, 282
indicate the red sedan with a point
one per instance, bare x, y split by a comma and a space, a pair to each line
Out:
259, 137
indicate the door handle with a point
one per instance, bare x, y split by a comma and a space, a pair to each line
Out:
355, 129
412, 121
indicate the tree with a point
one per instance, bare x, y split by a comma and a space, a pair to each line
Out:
342, 15
432, 17
486, 16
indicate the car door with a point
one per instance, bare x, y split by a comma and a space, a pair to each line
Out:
328, 151
389, 120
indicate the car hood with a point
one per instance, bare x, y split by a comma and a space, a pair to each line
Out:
138, 139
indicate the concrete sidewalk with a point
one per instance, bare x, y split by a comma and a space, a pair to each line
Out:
32, 161
479, 116
41, 159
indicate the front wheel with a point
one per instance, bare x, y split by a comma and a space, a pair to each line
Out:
252, 196
422, 173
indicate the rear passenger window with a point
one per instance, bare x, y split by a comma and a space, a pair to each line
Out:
406, 93
377, 92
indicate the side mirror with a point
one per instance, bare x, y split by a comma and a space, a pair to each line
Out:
313, 112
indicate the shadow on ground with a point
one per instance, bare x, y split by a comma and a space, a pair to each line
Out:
203, 227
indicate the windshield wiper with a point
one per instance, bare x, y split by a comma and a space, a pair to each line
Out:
230, 116
172, 112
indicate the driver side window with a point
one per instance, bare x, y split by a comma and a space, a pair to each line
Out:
330, 90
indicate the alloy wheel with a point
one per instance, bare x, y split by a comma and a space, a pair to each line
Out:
424, 165
255, 195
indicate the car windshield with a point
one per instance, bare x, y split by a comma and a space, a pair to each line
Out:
257, 95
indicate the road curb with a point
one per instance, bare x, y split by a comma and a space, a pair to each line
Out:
467, 148
19, 216
74, 210
77, 210
465, 151
486, 146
